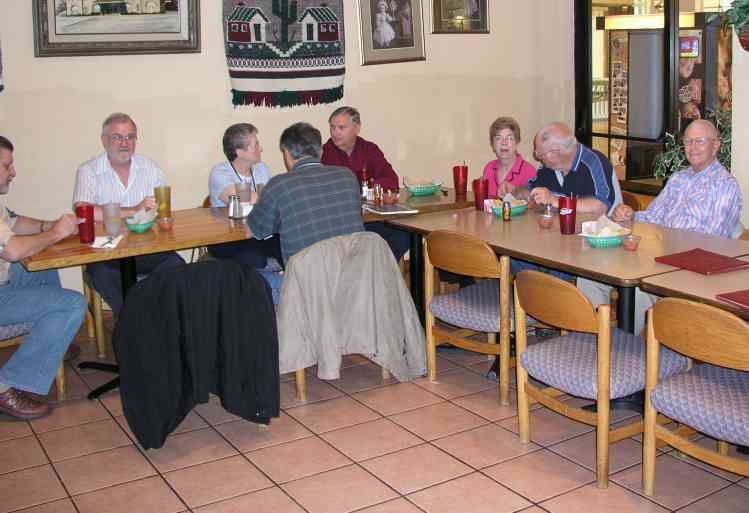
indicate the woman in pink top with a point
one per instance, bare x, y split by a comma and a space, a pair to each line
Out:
509, 170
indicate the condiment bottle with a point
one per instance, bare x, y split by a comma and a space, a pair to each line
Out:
377, 194
506, 211
235, 208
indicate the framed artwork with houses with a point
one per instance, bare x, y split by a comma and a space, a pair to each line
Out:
460, 17
391, 31
115, 27
281, 55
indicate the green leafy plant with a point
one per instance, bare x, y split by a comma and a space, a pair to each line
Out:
673, 158
736, 15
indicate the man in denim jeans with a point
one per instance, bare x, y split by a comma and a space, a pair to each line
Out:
55, 314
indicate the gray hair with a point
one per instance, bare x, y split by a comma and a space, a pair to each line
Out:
235, 137
6, 144
116, 117
301, 140
352, 113
558, 134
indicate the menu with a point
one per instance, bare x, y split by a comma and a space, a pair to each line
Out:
702, 261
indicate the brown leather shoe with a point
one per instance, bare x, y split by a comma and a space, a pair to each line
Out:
21, 406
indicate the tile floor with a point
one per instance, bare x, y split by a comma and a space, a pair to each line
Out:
358, 444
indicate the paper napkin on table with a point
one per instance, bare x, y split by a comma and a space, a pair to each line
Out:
106, 242
603, 227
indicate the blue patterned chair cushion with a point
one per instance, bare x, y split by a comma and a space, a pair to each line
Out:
568, 363
14, 330
712, 400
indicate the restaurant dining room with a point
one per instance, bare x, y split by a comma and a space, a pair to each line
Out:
364, 307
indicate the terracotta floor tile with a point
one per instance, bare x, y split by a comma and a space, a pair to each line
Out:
396, 506
371, 439
75, 387
192, 448
590, 498
744, 482
397, 398
734, 499
297, 459
62, 506
443, 364
84, 439
217, 480
548, 427
485, 446
486, 404
461, 357
191, 422
151, 495
12, 428
333, 414
102, 469
214, 413
270, 500
676, 483
438, 420
29, 487
532, 509
248, 436
710, 443
21, 453
361, 377
582, 450
71, 413
95, 378
112, 401
350, 360
317, 390
617, 414
540, 475
339, 491
456, 383
475, 493
416, 468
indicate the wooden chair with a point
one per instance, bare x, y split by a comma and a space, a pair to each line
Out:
745, 235
632, 201
592, 360
482, 307
201, 253
711, 397
94, 315
12, 335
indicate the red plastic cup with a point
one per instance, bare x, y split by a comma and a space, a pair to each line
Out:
480, 192
460, 180
85, 214
567, 215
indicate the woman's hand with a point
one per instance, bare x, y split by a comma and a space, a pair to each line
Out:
505, 188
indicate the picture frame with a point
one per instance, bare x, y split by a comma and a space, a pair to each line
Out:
391, 31
65, 28
460, 17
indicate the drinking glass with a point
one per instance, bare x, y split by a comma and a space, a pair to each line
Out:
567, 215
244, 191
85, 214
111, 214
460, 179
480, 192
163, 195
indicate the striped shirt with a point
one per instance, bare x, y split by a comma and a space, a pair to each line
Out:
97, 183
222, 175
707, 202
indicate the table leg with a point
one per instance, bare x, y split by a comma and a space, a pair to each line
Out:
625, 309
417, 274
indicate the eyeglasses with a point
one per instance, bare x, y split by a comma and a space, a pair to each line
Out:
504, 139
540, 155
697, 141
252, 147
119, 138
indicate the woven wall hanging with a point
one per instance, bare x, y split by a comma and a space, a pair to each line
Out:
283, 53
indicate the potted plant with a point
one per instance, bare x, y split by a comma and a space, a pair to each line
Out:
738, 16
673, 158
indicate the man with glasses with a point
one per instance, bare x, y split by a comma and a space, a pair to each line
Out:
703, 198
121, 176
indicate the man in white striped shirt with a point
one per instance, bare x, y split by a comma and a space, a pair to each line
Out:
120, 176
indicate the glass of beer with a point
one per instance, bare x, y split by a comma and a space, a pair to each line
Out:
163, 195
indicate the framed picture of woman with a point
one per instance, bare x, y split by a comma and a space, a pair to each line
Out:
391, 31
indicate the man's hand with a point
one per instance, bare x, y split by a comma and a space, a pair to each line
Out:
65, 226
544, 196
622, 213
149, 202
505, 188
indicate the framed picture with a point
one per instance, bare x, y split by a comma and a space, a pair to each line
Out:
460, 17
391, 31
115, 27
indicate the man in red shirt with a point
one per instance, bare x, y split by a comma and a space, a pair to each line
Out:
346, 149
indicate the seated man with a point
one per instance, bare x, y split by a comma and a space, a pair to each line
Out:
703, 198
120, 176
311, 202
243, 165
55, 314
345, 148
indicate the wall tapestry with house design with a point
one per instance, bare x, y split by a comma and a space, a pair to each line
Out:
283, 53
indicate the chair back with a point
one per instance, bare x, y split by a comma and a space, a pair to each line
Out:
744, 235
631, 201
702, 332
461, 253
555, 302
206, 202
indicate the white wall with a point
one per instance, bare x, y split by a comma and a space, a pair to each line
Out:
424, 115
739, 148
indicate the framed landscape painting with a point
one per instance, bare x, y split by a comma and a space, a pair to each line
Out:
460, 17
391, 31
115, 27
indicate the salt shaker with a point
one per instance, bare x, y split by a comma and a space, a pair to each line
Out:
235, 208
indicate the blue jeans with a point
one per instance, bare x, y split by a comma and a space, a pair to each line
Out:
56, 314
521, 265
275, 280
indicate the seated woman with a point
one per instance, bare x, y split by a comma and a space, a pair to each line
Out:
243, 151
509, 170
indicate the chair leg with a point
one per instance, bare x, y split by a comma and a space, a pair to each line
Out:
524, 422
504, 329
602, 444
60, 382
101, 340
301, 386
90, 323
431, 347
722, 447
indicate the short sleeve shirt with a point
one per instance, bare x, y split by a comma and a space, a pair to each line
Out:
222, 175
97, 183
7, 220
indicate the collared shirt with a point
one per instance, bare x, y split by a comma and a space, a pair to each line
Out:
310, 203
708, 201
365, 155
7, 220
222, 175
591, 176
97, 183
520, 172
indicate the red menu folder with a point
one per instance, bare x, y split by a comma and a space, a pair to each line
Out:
739, 298
703, 262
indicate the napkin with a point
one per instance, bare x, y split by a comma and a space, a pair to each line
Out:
143, 216
603, 227
106, 242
